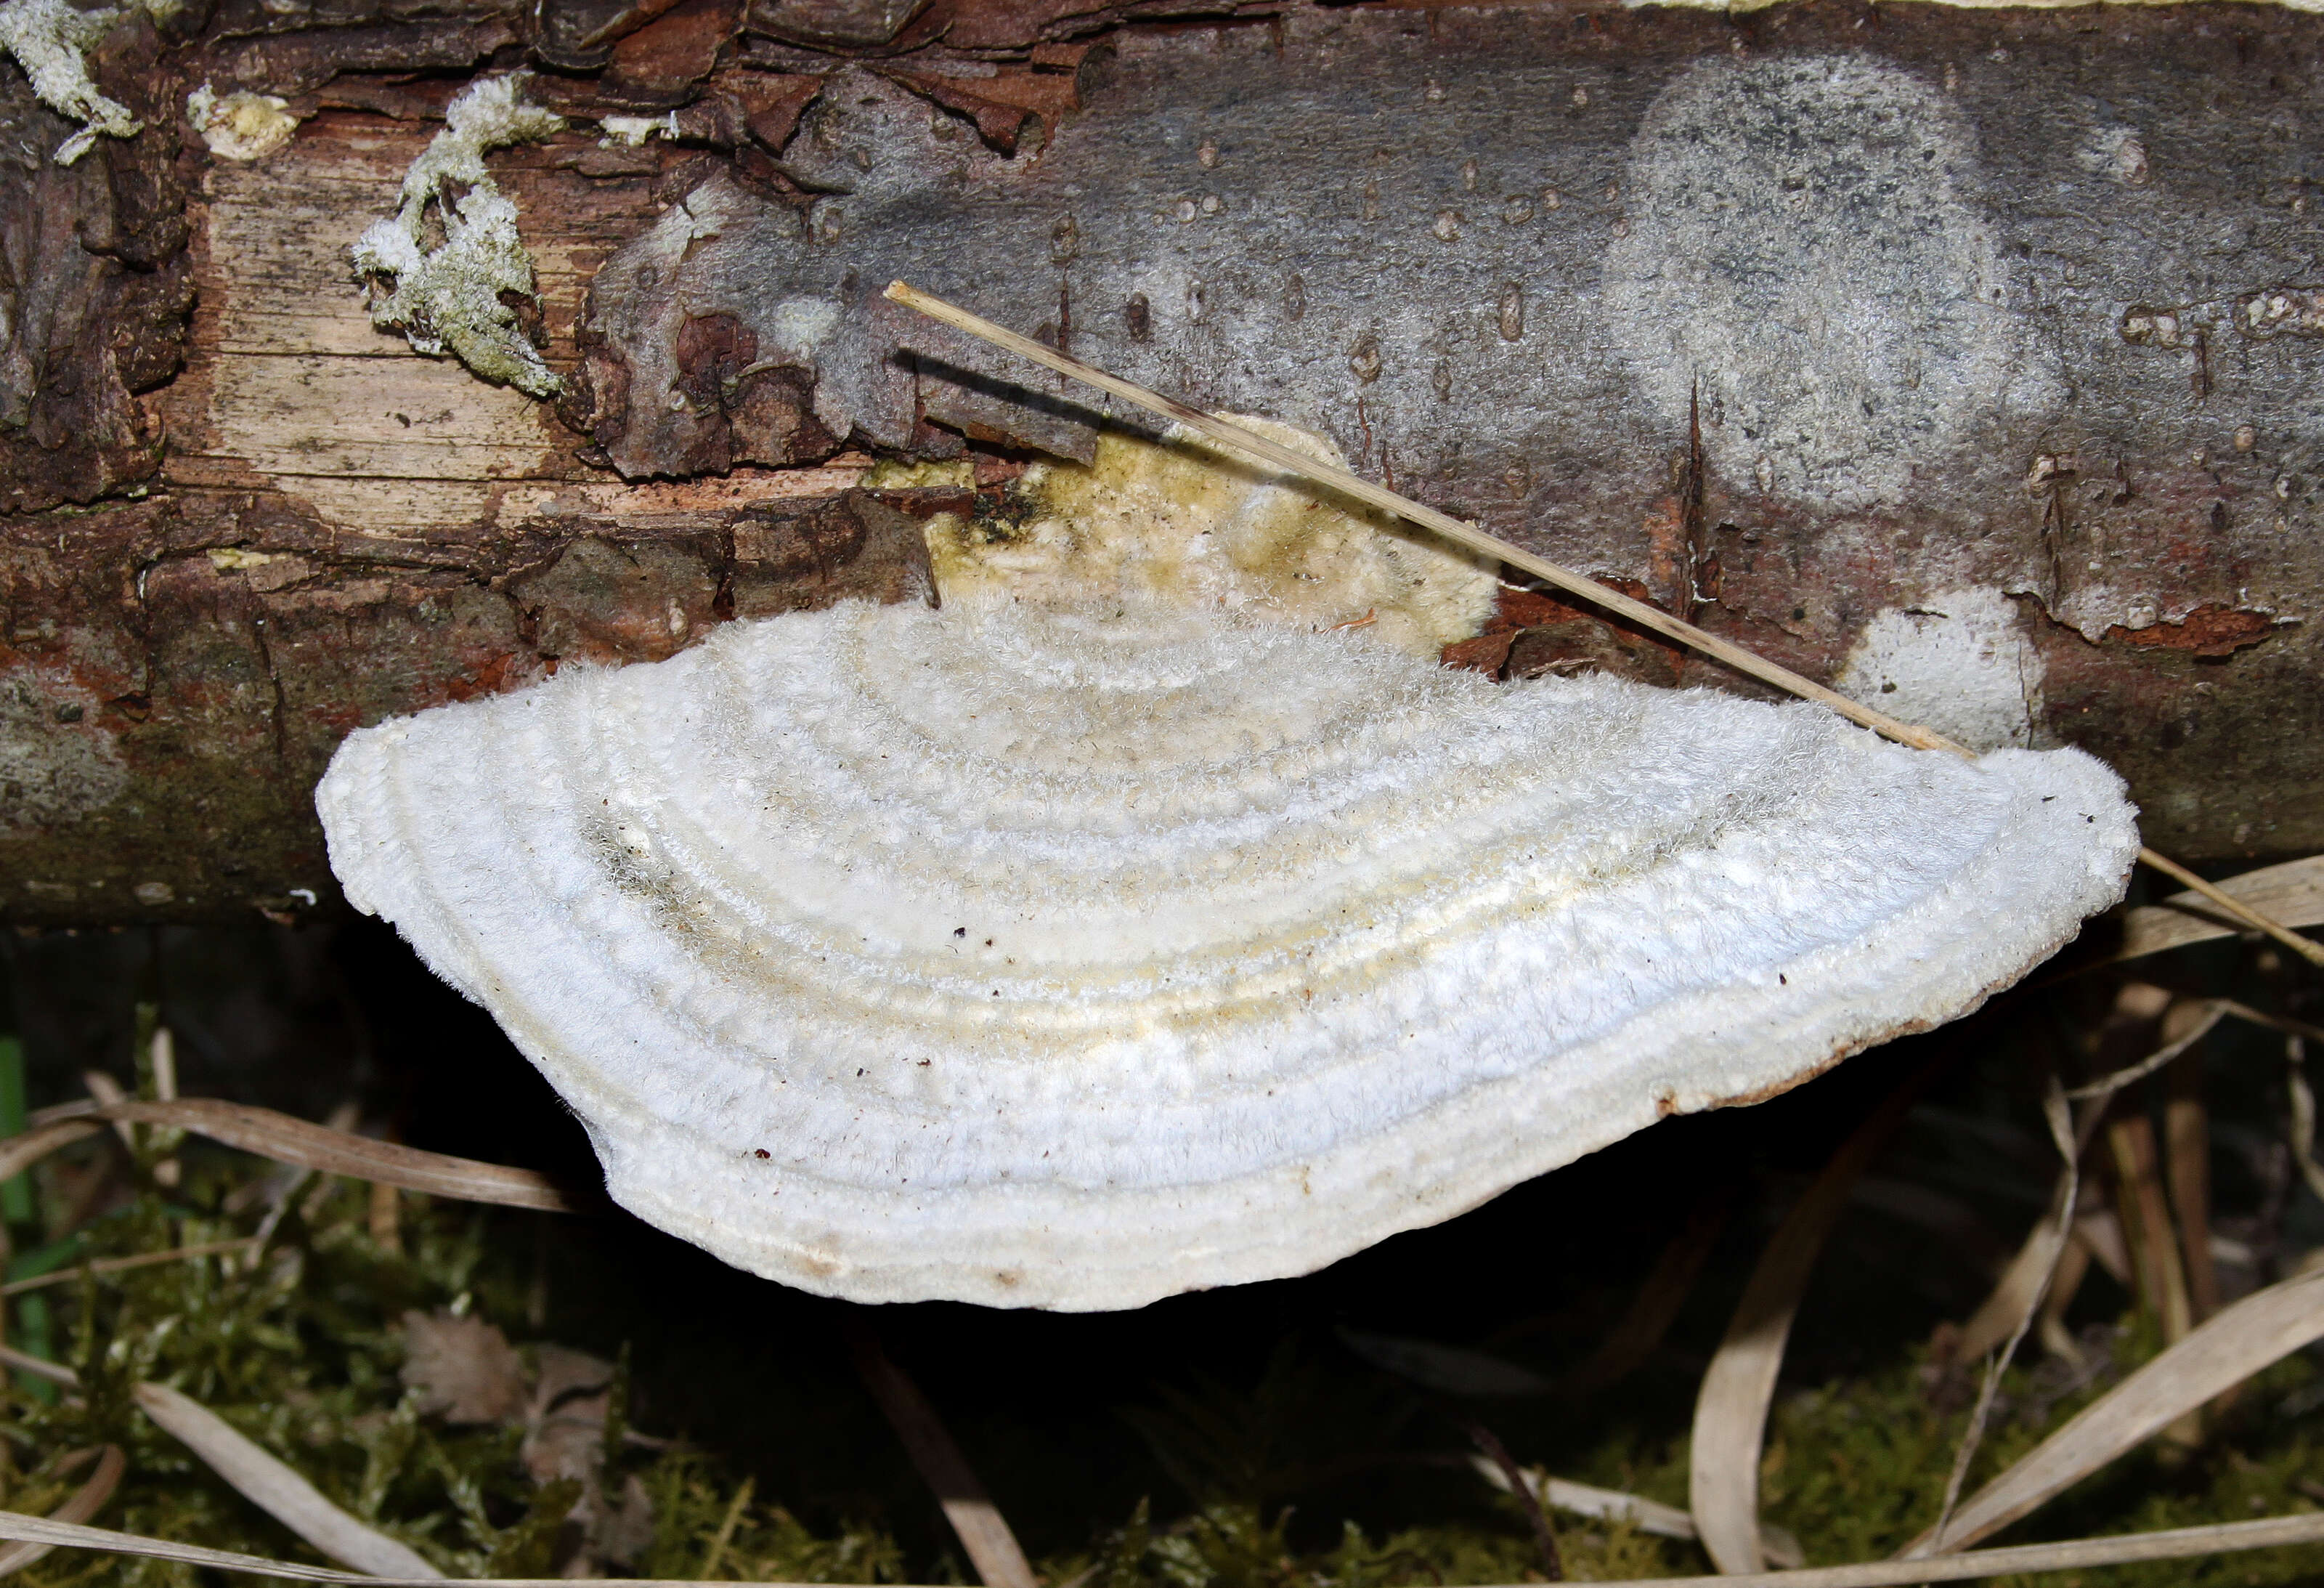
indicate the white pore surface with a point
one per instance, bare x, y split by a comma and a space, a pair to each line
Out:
1010, 956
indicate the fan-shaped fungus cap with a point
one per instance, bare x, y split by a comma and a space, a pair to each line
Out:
1006, 955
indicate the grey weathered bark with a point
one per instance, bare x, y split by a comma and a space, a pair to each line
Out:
1970, 356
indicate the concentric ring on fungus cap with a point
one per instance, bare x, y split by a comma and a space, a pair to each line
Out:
1072, 960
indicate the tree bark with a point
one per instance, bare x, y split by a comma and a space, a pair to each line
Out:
1969, 357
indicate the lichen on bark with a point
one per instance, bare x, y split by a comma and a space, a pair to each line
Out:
454, 297
50, 40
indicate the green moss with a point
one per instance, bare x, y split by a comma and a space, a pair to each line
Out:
302, 1351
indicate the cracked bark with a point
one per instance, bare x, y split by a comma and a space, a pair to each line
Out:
2073, 372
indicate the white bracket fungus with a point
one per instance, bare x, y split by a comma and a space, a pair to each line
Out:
449, 297
1036, 957
50, 40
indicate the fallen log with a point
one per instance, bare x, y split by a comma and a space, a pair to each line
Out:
1962, 357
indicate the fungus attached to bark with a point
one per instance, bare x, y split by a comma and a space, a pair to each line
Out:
1038, 956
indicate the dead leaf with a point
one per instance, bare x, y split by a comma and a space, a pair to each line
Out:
463, 1368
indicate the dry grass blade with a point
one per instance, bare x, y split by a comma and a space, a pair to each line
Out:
84, 1503
2108, 1086
300, 1143
114, 1264
23, 1150
2303, 1113
1655, 1307
40, 1367
55, 1535
2076, 1554
259, 1477
2291, 894
276, 1489
1348, 483
2261, 1329
1649, 1516
2049, 1243
984, 1532
1731, 1410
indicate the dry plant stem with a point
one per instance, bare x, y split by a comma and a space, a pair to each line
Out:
114, 1264
2273, 1022
1462, 532
1650, 1516
79, 1506
2076, 1554
1513, 1480
381, 1218
2073, 1267
2049, 1243
2261, 1329
1348, 483
2187, 1154
2291, 894
2303, 1113
40, 1367
2108, 1086
992, 1549
2313, 952
1731, 1410
162, 1057
298, 1142
1655, 1307
2153, 1246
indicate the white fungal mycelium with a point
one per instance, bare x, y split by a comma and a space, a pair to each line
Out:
1043, 956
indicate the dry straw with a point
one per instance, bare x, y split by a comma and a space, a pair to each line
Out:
295, 1141
2077, 1554
1347, 483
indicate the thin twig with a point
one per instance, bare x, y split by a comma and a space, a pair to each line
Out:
1348, 483
1513, 1477
2105, 1086
114, 1264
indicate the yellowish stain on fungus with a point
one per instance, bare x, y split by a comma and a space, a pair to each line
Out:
1178, 524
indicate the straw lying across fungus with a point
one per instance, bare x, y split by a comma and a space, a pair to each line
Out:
1041, 955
